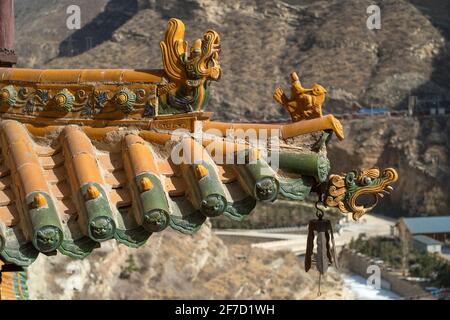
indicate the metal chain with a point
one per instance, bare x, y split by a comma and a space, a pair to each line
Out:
319, 212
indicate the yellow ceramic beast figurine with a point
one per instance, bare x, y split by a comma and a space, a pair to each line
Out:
304, 103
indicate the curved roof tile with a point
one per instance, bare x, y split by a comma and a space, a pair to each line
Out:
64, 189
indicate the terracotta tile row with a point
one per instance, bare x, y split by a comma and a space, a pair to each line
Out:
67, 192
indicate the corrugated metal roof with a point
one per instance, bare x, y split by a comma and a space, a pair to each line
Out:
424, 225
426, 240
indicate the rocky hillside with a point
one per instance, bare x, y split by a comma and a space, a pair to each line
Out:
174, 266
262, 42
419, 149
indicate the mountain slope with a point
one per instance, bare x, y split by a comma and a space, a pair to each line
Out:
262, 42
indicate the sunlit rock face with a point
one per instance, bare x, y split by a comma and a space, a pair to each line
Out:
262, 42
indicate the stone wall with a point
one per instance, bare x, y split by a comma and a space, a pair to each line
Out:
358, 263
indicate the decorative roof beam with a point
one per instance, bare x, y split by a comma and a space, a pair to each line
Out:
288, 130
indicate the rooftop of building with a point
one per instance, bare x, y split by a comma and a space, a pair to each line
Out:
427, 225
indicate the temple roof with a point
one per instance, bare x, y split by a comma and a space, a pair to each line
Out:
68, 188
89, 155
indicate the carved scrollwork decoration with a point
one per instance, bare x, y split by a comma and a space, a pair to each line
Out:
64, 100
100, 100
43, 96
343, 191
124, 100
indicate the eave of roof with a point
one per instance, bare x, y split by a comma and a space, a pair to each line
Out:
77, 186
426, 240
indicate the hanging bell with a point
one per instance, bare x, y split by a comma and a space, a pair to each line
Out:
325, 251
